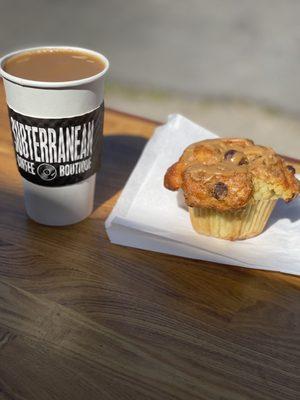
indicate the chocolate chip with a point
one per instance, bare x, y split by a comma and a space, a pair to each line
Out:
229, 154
291, 169
243, 161
220, 191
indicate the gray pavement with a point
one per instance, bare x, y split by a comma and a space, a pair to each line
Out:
241, 49
231, 65
264, 125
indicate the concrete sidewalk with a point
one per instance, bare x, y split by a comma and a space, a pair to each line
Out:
266, 126
233, 49
227, 64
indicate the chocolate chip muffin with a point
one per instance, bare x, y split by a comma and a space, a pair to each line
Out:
231, 186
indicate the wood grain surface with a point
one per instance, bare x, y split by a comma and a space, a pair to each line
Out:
81, 318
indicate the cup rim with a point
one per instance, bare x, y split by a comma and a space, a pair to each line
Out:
45, 84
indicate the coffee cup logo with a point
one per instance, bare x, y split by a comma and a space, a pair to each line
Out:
47, 172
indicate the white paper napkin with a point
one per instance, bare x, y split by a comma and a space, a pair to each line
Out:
148, 216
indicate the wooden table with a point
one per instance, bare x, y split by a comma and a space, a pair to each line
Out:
81, 318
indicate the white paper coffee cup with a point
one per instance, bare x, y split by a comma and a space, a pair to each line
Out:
58, 183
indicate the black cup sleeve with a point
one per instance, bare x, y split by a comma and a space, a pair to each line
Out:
57, 152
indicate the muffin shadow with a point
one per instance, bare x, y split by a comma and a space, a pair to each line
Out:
181, 201
290, 211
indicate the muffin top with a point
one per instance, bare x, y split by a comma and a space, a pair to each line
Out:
227, 174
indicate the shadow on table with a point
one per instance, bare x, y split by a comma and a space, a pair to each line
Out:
119, 156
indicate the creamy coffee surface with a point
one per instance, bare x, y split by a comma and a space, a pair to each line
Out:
54, 65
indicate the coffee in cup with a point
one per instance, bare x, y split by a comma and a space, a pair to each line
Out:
54, 64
